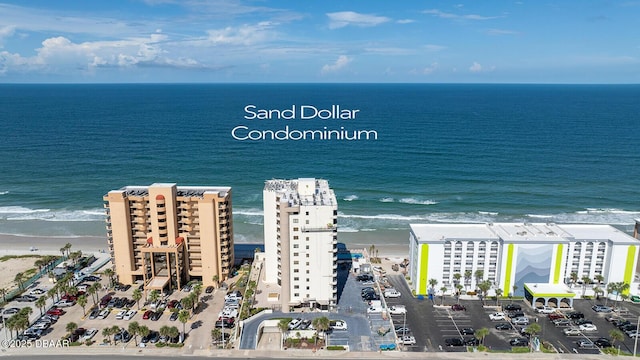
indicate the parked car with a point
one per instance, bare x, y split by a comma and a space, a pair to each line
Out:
129, 314
94, 313
120, 314
586, 343
519, 342
55, 311
458, 307
174, 316
472, 341
572, 331
156, 316
209, 290
90, 334
64, 303
123, 336
603, 342
304, 325
520, 321
408, 340
503, 326
555, 316
575, 315
602, 308
338, 324
147, 314
103, 313
512, 307
588, 327
545, 310
402, 330
454, 342
498, 316
11, 311
392, 293
374, 309
562, 322
37, 292
397, 310
293, 324
467, 331
225, 322
233, 295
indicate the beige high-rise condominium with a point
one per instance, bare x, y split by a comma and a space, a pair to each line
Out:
167, 235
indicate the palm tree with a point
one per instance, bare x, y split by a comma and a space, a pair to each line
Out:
616, 335
3, 292
82, 301
19, 280
109, 273
143, 330
585, 281
114, 330
134, 329
372, 249
533, 329
283, 326
458, 289
574, 278
106, 332
443, 290
173, 332
164, 331
52, 293
137, 295
433, 283
187, 303
40, 303
95, 287
597, 290
467, 278
216, 334
611, 287
71, 327
484, 288
91, 290
183, 317
514, 287
479, 275
197, 291
599, 278
39, 263
456, 278
63, 250
67, 248
621, 287
154, 296
216, 280
498, 294
321, 324
481, 334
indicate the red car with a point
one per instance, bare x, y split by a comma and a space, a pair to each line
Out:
172, 304
55, 311
147, 314
458, 307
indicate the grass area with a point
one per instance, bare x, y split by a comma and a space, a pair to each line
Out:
335, 347
9, 257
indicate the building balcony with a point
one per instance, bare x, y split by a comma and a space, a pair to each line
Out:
320, 229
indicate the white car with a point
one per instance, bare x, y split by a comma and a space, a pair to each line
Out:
228, 313
89, 334
64, 303
499, 316
120, 314
374, 309
37, 292
392, 293
408, 340
588, 327
294, 323
545, 310
572, 331
129, 314
397, 310
338, 325
103, 313
520, 321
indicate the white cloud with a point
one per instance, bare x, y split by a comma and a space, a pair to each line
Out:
5, 32
429, 69
476, 68
405, 21
345, 18
339, 64
434, 48
501, 32
242, 35
445, 15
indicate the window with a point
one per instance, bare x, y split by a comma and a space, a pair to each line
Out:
307, 247
307, 289
296, 229
306, 213
295, 246
296, 270
295, 237
296, 254
295, 221
296, 294
296, 287
296, 279
306, 222
297, 262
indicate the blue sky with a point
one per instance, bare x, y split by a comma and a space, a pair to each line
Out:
320, 41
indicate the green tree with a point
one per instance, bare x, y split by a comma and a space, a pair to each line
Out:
109, 273
322, 325
164, 331
173, 332
616, 335
183, 317
481, 334
443, 291
216, 280
197, 291
187, 303
114, 330
67, 248
216, 335
3, 292
467, 278
433, 283
585, 281
458, 290
19, 279
498, 294
71, 327
154, 296
479, 275
137, 296
41, 303
95, 289
134, 329
514, 288
456, 278
52, 293
106, 332
599, 278
621, 288
484, 289
82, 301
143, 330
533, 329
574, 278
283, 326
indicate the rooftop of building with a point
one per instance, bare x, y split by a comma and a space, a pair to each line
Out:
303, 191
188, 191
521, 232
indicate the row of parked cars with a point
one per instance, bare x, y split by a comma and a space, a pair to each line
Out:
227, 317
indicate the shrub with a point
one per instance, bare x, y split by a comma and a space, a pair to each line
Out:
335, 347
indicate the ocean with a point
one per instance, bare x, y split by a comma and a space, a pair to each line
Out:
441, 153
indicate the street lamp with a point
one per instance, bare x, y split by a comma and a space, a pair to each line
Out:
635, 341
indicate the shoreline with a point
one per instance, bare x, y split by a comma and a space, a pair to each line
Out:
22, 244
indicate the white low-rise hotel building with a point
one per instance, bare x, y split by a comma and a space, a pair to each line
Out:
511, 254
300, 238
